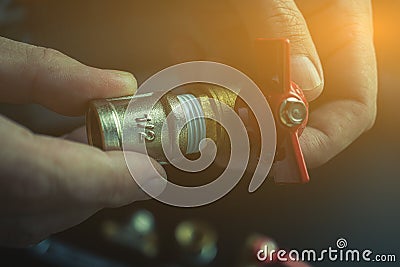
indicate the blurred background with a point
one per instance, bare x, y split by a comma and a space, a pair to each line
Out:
355, 196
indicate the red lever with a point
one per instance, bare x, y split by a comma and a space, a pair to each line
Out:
289, 106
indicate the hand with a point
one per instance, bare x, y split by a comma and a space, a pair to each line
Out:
49, 184
337, 37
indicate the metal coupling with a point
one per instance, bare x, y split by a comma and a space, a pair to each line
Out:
189, 109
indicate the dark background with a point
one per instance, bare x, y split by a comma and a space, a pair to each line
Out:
355, 196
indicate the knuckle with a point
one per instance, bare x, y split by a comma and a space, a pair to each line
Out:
357, 30
285, 14
43, 54
285, 20
357, 14
39, 59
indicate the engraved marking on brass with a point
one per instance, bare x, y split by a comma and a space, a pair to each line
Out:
147, 134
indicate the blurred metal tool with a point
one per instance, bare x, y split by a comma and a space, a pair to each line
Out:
197, 243
139, 233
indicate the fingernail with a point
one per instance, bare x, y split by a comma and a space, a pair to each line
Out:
127, 79
304, 73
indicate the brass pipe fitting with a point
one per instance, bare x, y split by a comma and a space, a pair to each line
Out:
104, 120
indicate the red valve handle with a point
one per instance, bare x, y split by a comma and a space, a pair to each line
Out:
273, 58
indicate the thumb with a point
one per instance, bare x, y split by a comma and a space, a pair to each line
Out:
282, 19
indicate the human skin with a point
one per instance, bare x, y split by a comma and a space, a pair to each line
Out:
337, 37
48, 184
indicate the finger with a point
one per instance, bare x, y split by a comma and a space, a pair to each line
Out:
36, 169
348, 106
78, 135
45, 76
348, 55
282, 19
332, 128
